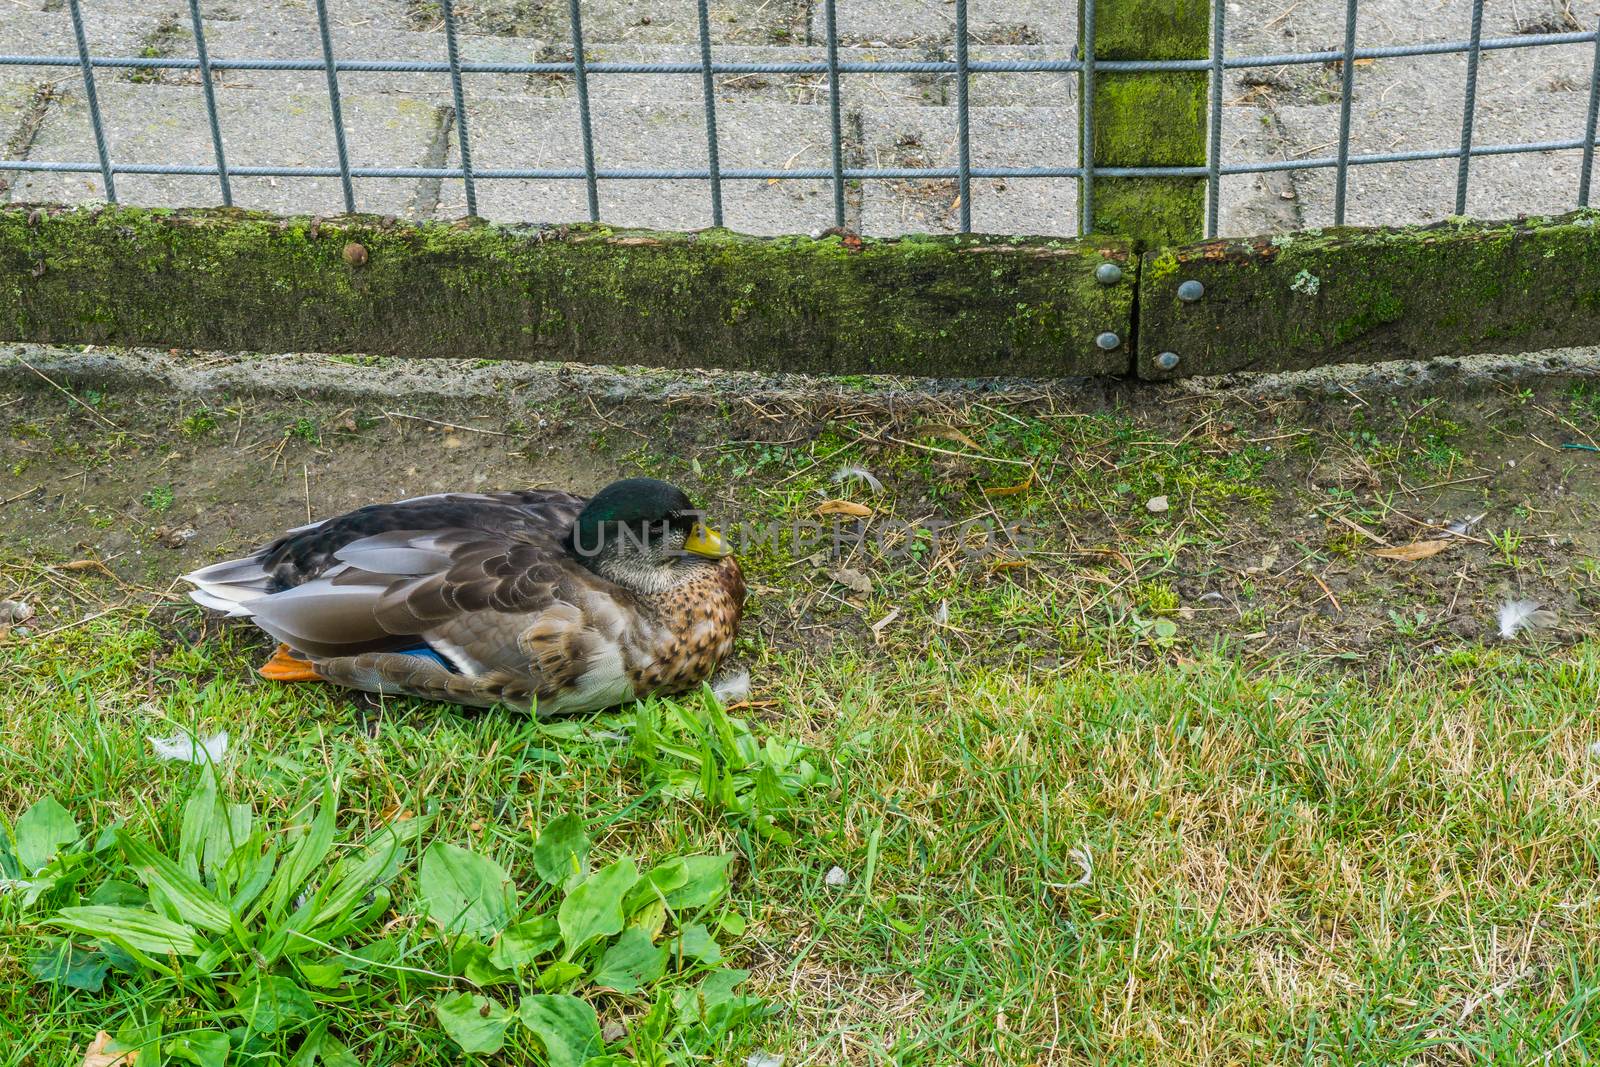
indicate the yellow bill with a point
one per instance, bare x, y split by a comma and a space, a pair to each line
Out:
704, 541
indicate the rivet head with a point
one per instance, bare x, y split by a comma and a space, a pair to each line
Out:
1167, 361
1108, 340
1108, 274
1190, 291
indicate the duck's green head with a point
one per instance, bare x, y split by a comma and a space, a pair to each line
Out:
645, 534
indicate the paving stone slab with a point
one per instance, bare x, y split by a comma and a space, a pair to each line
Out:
545, 133
346, 14
921, 22
1277, 26
926, 137
809, 88
1256, 203
294, 38
161, 123
25, 91
640, 21
1033, 89
1416, 104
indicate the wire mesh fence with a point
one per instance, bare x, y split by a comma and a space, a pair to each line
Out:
960, 66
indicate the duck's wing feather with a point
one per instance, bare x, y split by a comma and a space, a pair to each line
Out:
490, 603
536, 514
313, 551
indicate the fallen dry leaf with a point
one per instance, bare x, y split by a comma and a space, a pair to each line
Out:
98, 1056
1414, 551
1012, 490
844, 507
949, 433
85, 565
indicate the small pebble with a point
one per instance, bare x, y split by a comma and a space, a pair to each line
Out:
13, 612
1156, 505
836, 877
852, 580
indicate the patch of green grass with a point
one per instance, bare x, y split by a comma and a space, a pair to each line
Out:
1175, 863
157, 498
199, 423
304, 429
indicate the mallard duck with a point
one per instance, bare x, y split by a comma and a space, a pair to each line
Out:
538, 599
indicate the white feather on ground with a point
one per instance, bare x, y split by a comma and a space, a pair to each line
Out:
732, 688
1518, 615
849, 471
183, 748
1085, 863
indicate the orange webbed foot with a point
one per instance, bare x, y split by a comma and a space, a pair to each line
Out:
285, 666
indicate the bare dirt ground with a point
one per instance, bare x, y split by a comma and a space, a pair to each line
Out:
1152, 519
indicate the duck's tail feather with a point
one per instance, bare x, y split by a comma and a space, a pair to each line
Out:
230, 586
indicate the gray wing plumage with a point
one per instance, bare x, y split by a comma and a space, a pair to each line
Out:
466, 573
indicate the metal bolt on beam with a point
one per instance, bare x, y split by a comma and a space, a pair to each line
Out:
1167, 361
1108, 341
1190, 291
1108, 274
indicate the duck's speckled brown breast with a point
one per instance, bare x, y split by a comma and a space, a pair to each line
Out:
699, 620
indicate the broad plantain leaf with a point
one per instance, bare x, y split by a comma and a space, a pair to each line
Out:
713, 1008
470, 958
201, 812
273, 1003
656, 883
116, 891
41, 832
566, 1026
561, 855
305, 857
193, 902
705, 880
64, 963
560, 975
476, 1023
465, 893
594, 908
519, 945
142, 931
324, 974
631, 962
694, 942
204, 1048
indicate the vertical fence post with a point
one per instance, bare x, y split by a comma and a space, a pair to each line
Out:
1146, 118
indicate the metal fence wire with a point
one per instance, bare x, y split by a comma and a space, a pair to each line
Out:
838, 174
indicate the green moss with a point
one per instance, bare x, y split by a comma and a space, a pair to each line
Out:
1151, 29
1151, 119
1151, 212
954, 306
1350, 295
